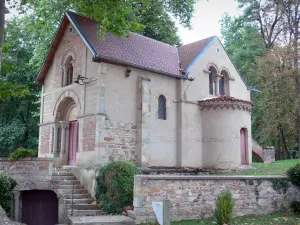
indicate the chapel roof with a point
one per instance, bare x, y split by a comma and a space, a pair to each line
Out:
136, 51
224, 98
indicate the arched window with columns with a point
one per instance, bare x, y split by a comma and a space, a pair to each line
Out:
224, 83
213, 74
68, 70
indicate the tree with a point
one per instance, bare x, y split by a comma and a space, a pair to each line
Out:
19, 116
276, 117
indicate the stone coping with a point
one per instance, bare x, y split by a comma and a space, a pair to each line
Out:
26, 159
211, 177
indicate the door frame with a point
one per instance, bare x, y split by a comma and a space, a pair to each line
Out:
244, 146
71, 143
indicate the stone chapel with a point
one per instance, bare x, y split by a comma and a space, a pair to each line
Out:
141, 100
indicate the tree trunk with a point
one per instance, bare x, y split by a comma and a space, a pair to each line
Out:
2, 19
296, 55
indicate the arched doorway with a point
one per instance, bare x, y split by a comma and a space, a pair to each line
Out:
244, 146
39, 207
66, 132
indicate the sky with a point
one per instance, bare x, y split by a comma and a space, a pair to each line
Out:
206, 20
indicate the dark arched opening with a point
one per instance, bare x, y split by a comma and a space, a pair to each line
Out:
39, 207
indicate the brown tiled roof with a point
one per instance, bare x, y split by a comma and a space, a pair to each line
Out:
136, 51
189, 52
225, 98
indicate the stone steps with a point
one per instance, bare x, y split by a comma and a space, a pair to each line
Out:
62, 173
59, 178
76, 182
70, 186
84, 212
101, 220
82, 206
79, 201
69, 191
80, 212
76, 196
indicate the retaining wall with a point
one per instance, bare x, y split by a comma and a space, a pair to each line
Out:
35, 173
194, 197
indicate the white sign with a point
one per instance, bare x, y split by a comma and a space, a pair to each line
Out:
158, 210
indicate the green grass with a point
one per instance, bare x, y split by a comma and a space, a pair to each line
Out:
276, 168
275, 218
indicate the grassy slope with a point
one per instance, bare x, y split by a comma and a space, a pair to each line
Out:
276, 168
276, 218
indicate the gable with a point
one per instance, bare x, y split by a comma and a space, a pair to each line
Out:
215, 53
190, 53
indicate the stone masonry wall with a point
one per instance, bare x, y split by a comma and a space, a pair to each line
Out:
193, 197
121, 141
45, 139
30, 174
89, 132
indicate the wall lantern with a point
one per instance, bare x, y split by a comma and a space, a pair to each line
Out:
127, 73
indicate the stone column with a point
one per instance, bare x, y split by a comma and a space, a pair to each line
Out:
54, 147
16, 205
217, 79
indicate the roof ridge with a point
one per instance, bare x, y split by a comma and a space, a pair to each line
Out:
199, 41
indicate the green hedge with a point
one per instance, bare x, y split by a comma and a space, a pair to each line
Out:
114, 190
7, 184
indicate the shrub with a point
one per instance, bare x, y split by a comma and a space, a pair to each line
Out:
7, 184
296, 207
114, 190
21, 153
224, 208
294, 174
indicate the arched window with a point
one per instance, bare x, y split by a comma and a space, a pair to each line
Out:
212, 77
224, 84
162, 108
69, 74
221, 86
211, 84
67, 78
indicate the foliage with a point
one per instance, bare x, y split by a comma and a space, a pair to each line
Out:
224, 207
296, 207
19, 117
114, 189
280, 185
294, 174
7, 184
21, 153
9, 90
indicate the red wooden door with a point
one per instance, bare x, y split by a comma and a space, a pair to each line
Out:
244, 146
73, 142
39, 208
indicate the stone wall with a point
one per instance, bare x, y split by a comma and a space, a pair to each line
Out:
89, 132
193, 197
120, 141
30, 174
